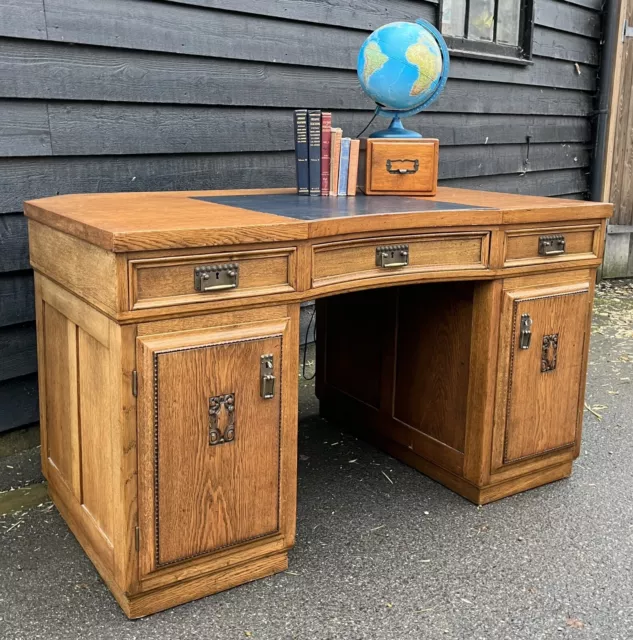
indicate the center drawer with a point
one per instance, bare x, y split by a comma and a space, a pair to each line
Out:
175, 280
395, 256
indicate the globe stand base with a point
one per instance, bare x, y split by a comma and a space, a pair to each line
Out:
395, 130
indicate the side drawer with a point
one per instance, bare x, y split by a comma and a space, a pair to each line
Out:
174, 280
351, 260
541, 245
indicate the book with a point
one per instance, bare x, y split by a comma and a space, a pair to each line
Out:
352, 176
301, 151
326, 136
335, 154
314, 151
343, 167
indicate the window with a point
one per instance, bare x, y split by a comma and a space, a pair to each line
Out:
496, 29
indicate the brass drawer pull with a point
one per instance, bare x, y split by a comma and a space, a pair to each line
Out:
415, 165
216, 277
396, 255
551, 245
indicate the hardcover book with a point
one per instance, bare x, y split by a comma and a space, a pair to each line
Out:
314, 150
326, 134
343, 167
335, 153
352, 178
301, 151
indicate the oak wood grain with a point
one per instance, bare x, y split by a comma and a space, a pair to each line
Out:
537, 411
432, 363
75, 263
147, 221
521, 245
96, 431
213, 484
383, 178
62, 412
356, 259
158, 282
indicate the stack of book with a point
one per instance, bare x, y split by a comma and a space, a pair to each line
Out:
327, 163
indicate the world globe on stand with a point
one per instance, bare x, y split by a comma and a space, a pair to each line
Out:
403, 66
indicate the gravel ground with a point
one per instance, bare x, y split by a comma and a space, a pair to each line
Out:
385, 553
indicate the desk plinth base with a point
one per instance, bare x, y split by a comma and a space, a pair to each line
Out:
182, 592
148, 602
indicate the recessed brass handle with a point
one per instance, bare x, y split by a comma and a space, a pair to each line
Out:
396, 255
551, 245
216, 277
397, 166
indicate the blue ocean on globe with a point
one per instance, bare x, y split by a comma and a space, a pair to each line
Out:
400, 65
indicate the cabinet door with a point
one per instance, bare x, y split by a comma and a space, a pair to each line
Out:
544, 339
209, 441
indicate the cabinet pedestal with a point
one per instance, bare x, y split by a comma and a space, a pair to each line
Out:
478, 385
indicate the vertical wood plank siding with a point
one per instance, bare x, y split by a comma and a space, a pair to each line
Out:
121, 95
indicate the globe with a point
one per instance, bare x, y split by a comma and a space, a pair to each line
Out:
403, 66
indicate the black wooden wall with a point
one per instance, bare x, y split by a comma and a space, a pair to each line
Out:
118, 95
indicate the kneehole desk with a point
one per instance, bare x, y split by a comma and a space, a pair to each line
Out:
453, 332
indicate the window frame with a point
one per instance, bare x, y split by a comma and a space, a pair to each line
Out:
520, 54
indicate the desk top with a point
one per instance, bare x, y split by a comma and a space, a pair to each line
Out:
123, 222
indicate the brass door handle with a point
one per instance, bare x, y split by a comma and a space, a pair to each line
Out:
525, 331
266, 377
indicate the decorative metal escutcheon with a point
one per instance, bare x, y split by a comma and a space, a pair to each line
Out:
525, 331
403, 166
222, 419
266, 376
551, 245
214, 277
549, 353
396, 255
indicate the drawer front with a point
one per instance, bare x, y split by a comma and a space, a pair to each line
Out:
159, 282
551, 244
403, 167
358, 259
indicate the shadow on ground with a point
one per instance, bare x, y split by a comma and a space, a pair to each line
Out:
384, 552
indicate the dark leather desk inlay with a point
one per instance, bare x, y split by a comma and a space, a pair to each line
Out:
291, 205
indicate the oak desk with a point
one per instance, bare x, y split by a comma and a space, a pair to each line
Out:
168, 349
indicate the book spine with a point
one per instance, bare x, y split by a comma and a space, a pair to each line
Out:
335, 152
326, 138
314, 151
352, 176
343, 167
301, 151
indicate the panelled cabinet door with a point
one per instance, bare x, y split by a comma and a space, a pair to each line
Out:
544, 338
209, 441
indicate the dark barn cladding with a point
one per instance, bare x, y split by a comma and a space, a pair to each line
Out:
140, 95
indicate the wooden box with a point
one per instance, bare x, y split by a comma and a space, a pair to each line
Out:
392, 166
